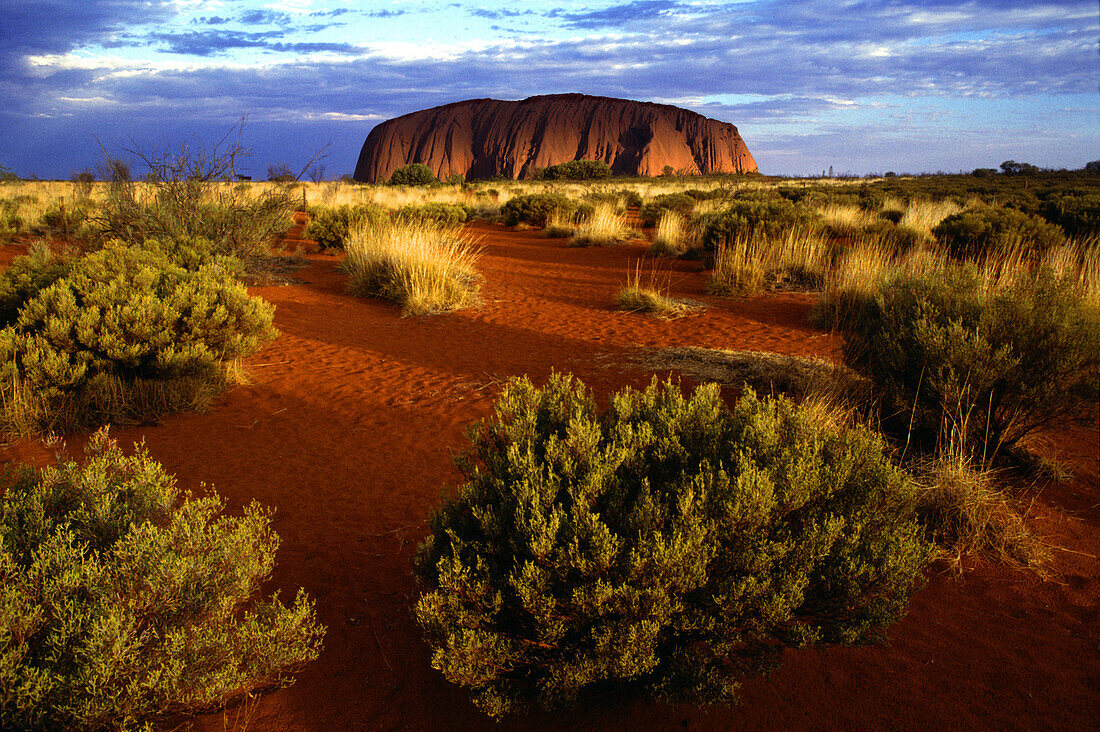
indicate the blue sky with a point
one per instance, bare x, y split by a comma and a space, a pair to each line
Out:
860, 86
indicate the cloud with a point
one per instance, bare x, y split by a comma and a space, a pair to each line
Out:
796, 71
618, 15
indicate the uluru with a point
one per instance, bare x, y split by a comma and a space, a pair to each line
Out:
487, 138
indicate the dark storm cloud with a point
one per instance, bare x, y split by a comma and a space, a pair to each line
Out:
57, 26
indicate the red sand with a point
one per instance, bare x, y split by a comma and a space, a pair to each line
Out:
349, 427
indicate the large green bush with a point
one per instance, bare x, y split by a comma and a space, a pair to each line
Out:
576, 170
125, 334
990, 230
768, 219
956, 361
667, 543
120, 604
329, 226
415, 174
535, 208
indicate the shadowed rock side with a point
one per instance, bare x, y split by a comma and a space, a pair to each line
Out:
484, 138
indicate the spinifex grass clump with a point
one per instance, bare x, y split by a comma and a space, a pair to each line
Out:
120, 604
752, 263
650, 295
957, 360
667, 543
669, 238
603, 227
768, 219
422, 265
124, 335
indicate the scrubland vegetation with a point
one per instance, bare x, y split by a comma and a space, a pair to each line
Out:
121, 604
669, 543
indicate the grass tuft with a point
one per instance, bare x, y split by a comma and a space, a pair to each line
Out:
640, 295
423, 266
604, 227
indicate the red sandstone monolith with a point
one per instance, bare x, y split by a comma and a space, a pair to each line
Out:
486, 138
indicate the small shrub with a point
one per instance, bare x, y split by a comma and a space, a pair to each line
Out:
667, 543
421, 265
415, 174
991, 231
769, 219
187, 193
25, 278
1077, 212
681, 203
449, 214
125, 335
329, 227
949, 356
536, 208
576, 170
121, 605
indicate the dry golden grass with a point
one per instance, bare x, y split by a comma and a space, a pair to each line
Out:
846, 220
604, 227
750, 265
649, 294
967, 514
670, 236
421, 265
798, 377
923, 216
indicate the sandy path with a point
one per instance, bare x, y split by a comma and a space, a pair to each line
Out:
348, 430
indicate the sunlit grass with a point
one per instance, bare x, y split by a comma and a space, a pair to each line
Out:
421, 265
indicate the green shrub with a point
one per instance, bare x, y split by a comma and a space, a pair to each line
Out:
75, 217
768, 219
681, 203
450, 214
535, 208
415, 174
190, 252
120, 605
1077, 212
125, 335
576, 170
235, 219
992, 230
956, 362
25, 278
10, 221
329, 226
667, 543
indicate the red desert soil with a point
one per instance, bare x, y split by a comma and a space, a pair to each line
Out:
348, 429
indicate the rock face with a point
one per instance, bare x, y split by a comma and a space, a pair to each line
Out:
484, 138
